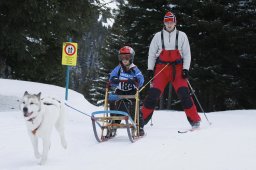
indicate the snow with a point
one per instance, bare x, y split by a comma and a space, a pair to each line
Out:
112, 5
228, 144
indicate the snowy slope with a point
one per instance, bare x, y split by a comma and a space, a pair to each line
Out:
228, 144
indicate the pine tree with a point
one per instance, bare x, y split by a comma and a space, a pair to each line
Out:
32, 34
218, 33
134, 26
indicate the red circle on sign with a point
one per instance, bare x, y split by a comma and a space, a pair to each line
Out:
70, 49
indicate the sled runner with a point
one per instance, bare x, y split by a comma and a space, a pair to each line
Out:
104, 122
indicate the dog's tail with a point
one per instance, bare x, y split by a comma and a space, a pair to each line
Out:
62, 116
60, 105
51, 101
60, 125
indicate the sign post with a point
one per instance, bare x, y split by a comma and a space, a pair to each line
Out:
69, 58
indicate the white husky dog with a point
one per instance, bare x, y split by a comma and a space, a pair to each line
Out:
41, 115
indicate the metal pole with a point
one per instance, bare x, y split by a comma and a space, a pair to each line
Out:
193, 92
67, 82
67, 77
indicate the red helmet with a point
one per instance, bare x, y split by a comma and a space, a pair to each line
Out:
126, 50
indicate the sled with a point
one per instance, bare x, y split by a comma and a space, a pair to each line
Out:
103, 124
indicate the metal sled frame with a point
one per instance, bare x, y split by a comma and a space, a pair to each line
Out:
102, 120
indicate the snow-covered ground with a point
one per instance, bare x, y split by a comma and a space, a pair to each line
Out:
228, 144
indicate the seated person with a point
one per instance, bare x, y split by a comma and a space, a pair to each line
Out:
125, 77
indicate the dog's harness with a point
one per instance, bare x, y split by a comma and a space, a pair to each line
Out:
34, 131
32, 119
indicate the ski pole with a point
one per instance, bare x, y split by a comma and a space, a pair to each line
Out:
193, 92
151, 121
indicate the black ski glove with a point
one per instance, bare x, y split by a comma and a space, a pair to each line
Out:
114, 80
185, 74
150, 74
132, 81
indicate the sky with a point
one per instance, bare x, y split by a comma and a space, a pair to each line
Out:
228, 144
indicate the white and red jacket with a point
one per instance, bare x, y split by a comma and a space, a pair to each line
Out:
169, 42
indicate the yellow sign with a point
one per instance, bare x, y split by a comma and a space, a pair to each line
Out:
69, 53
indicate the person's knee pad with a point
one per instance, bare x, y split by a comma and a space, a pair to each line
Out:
183, 94
152, 97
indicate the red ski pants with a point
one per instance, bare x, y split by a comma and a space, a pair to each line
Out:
180, 85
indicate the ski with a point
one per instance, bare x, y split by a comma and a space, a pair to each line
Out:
188, 130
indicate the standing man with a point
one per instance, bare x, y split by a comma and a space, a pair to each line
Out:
169, 61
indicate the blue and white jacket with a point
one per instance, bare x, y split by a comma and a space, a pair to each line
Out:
132, 73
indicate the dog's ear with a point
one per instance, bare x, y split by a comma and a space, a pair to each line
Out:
26, 93
39, 95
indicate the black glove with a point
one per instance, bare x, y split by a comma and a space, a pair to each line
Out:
114, 80
150, 74
133, 80
185, 74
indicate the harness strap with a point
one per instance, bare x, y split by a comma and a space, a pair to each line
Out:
34, 131
176, 42
173, 64
162, 39
31, 120
176, 62
119, 71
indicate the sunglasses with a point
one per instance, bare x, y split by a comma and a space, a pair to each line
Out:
125, 56
169, 23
